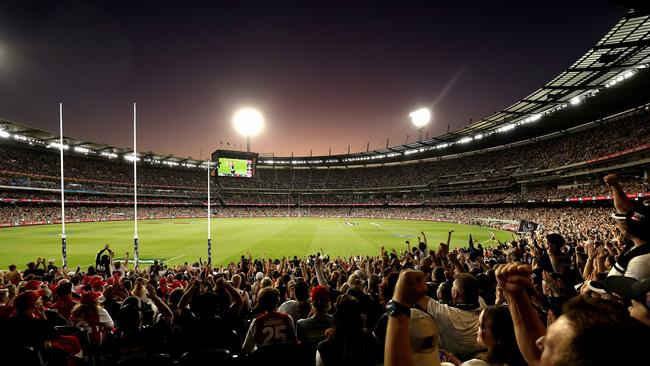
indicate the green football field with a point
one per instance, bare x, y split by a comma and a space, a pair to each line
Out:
185, 240
241, 166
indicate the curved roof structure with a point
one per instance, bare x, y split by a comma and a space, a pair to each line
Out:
612, 72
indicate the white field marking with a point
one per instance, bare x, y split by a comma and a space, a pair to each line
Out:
374, 223
180, 256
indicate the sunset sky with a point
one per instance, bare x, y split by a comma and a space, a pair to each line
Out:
324, 73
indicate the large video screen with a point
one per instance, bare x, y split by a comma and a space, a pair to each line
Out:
230, 167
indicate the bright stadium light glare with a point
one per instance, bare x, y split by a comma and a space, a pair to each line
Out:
56, 145
421, 117
248, 122
4, 134
575, 100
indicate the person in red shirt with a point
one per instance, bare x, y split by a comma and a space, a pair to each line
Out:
65, 302
271, 326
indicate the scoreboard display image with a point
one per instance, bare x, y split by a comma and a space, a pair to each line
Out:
231, 167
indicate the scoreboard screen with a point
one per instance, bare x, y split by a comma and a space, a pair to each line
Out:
231, 167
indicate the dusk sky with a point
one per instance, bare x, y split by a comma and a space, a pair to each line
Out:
324, 73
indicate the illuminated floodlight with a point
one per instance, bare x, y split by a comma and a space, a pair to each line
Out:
421, 117
109, 155
56, 145
575, 100
248, 122
628, 74
478, 137
4, 134
506, 128
81, 149
464, 140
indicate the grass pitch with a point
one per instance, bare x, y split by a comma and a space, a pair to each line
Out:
185, 240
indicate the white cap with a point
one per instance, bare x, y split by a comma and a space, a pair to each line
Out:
259, 276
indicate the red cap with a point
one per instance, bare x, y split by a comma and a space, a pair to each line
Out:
33, 285
25, 300
97, 283
90, 297
320, 294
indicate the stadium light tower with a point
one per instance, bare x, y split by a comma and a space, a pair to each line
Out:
248, 122
420, 119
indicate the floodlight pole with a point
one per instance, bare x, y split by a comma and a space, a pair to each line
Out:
135, 191
209, 218
64, 252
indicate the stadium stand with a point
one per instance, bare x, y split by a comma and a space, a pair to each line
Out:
573, 291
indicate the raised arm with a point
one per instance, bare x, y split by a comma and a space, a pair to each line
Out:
99, 255
411, 287
514, 280
621, 202
164, 310
453, 260
237, 300
318, 267
187, 296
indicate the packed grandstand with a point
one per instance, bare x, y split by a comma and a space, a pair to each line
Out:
560, 290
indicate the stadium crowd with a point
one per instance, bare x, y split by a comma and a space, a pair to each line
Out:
573, 291
487, 169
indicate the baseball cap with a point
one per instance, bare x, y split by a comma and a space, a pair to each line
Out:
424, 336
97, 283
259, 276
320, 294
90, 297
596, 286
630, 288
356, 282
26, 300
33, 285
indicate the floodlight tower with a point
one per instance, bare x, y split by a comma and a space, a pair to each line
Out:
248, 122
420, 119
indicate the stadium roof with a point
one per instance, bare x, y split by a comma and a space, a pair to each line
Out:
23, 133
620, 55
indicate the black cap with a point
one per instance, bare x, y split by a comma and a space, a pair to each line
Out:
630, 288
